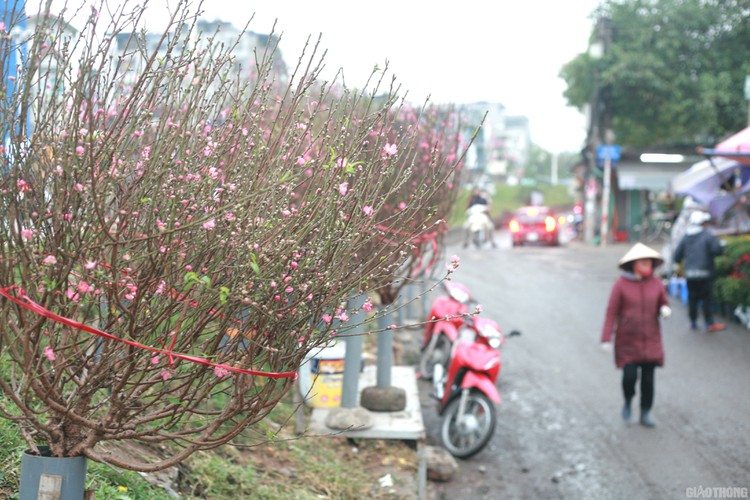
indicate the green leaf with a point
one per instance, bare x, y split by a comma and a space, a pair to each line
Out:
223, 295
254, 264
349, 169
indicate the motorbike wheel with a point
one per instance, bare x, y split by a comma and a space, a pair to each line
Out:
439, 353
468, 438
478, 238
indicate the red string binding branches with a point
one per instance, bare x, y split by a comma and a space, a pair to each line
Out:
24, 301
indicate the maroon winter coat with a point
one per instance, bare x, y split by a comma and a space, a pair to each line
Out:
633, 319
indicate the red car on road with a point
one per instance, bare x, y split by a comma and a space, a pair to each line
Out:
533, 225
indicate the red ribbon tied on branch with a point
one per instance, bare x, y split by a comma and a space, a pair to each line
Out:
25, 302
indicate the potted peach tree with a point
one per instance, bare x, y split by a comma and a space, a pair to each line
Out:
175, 239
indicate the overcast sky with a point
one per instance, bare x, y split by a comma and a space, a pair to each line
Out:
506, 51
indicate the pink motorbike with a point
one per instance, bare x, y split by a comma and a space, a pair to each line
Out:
441, 331
466, 390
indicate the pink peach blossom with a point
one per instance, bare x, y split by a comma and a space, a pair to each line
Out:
49, 353
84, 287
343, 317
390, 149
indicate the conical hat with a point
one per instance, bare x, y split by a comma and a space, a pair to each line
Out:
641, 251
698, 217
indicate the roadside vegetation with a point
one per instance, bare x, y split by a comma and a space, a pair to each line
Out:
508, 198
283, 466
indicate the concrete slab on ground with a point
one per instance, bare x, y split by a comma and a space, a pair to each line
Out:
406, 424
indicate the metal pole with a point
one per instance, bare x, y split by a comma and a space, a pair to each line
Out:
553, 169
605, 201
408, 296
385, 350
353, 356
398, 304
589, 208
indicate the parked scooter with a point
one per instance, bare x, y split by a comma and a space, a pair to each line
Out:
466, 392
446, 317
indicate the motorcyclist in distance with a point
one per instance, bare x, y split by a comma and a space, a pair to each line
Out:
478, 218
478, 198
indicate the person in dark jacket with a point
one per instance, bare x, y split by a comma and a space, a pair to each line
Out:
698, 248
478, 198
636, 302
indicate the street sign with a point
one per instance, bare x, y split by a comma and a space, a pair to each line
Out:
609, 152
13, 18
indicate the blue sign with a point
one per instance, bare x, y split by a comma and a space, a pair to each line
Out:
13, 17
609, 152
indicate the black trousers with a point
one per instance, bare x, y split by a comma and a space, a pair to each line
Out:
629, 378
700, 290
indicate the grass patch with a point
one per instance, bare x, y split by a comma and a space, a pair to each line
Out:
286, 467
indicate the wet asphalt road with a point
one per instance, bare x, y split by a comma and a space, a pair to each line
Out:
559, 433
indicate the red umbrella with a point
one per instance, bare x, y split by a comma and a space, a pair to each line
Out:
736, 147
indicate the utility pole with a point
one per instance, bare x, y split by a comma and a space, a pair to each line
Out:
609, 153
598, 123
553, 170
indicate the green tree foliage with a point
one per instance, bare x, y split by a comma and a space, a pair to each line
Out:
673, 71
539, 165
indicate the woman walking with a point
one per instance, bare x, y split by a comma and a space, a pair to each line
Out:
636, 302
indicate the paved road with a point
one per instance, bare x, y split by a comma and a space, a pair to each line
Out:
559, 432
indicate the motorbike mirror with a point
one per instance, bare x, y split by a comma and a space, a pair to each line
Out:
459, 295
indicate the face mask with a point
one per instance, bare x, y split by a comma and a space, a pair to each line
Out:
646, 273
643, 269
